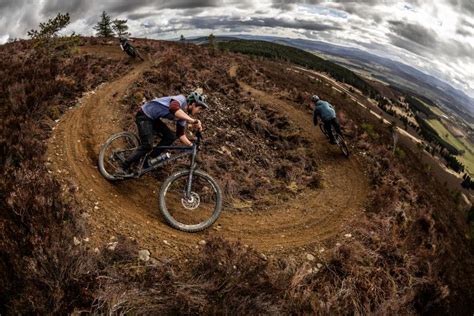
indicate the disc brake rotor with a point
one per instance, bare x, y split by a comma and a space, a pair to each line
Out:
192, 202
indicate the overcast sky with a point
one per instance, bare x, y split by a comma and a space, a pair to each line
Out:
436, 36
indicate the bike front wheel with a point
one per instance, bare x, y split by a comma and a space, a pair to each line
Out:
196, 211
342, 145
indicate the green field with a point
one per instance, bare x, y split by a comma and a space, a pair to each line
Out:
436, 110
446, 135
468, 158
468, 161
433, 108
460, 144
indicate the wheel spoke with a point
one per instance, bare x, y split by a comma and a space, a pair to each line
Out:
113, 164
115, 152
194, 210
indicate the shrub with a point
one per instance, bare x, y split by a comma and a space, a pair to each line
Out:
42, 271
369, 129
400, 153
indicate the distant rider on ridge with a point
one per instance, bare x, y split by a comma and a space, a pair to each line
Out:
124, 44
326, 112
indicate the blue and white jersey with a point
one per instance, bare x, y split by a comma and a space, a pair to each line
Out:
160, 108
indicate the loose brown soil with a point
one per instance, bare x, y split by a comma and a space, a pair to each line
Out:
131, 208
287, 193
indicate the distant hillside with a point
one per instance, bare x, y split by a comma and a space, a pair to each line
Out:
394, 72
300, 57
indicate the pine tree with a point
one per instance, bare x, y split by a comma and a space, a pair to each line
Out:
393, 130
51, 28
212, 40
182, 39
120, 27
212, 44
104, 27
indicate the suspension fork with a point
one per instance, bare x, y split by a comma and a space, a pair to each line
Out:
191, 171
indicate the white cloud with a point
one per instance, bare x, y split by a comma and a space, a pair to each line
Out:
396, 29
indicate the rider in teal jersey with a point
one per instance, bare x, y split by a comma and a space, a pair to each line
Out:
326, 112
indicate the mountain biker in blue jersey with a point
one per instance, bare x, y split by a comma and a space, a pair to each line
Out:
326, 112
149, 122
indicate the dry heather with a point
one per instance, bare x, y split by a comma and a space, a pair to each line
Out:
252, 150
40, 269
411, 252
408, 253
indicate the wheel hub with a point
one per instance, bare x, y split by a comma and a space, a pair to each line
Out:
192, 202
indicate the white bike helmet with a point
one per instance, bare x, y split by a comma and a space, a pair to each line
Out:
199, 99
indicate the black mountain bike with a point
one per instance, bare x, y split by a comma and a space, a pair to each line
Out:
133, 52
130, 50
341, 143
190, 200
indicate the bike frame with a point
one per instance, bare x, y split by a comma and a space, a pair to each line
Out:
333, 132
341, 143
186, 151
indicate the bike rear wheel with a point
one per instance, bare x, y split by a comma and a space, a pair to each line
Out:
342, 145
195, 212
114, 152
139, 55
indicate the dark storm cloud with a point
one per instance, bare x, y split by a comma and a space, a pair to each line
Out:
139, 16
191, 12
5, 5
464, 32
213, 22
286, 3
457, 49
283, 4
426, 43
465, 22
15, 15
73, 7
463, 5
363, 2
149, 25
362, 10
407, 44
289, 4
28, 20
188, 4
124, 6
415, 33
235, 25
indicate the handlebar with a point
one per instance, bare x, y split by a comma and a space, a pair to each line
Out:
198, 138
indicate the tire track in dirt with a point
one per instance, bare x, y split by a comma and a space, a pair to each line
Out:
131, 208
345, 184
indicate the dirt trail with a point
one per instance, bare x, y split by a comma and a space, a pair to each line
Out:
131, 208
